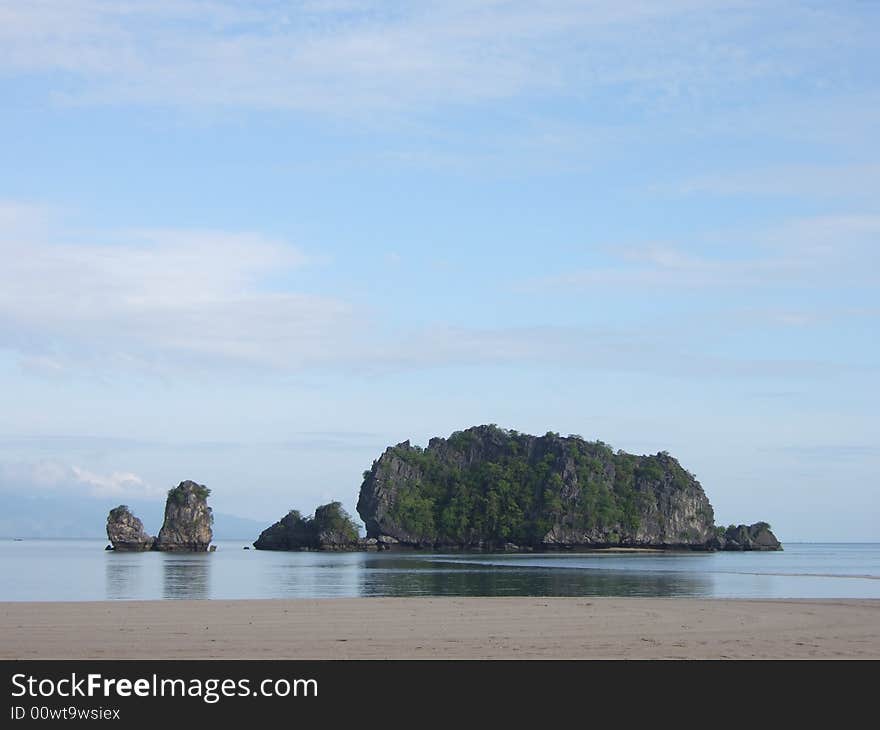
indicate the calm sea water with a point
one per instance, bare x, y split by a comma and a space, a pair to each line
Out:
80, 570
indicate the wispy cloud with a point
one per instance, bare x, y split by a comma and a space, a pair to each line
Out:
822, 252
103, 445
668, 265
832, 452
147, 297
379, 55
652, 350
857, 181
801, 318
169, 302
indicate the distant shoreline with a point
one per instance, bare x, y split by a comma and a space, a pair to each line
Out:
442, 628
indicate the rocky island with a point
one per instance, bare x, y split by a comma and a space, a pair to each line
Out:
488, 488
126, 532
746, 537
331, 528
187, 526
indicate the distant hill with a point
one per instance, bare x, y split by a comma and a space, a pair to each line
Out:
80, 517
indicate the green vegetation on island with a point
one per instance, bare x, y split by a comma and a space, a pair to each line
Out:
487, 485
185, 490
331, 528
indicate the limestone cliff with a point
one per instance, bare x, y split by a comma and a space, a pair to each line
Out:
126, 532
331, 528
188, 519
489, 488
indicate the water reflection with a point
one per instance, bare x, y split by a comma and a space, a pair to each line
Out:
186, 575
407, 577
124, 575
320, 574
52, 570
293, 575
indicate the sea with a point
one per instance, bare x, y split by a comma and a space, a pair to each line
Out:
81, 570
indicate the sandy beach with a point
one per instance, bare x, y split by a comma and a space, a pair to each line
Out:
442, 628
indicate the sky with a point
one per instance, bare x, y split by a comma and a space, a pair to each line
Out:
254, 243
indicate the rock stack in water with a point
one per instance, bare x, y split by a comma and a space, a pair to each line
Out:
187, 526
126, 532
331, 528
188, 519
747, 537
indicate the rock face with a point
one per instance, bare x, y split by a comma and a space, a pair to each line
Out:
188, 519
291, 532
488, 488
747, 537
126, 532
331, 528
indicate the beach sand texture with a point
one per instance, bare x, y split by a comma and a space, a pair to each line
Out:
442, 628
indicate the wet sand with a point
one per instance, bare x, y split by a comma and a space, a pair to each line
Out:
442, 628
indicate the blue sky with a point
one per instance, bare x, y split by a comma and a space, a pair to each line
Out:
254, 243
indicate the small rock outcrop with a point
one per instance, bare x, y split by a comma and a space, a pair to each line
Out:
747, 537
331, 528
291, 532
126, 532
188, 519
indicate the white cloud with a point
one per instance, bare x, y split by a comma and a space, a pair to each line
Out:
72, 480
113, 484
